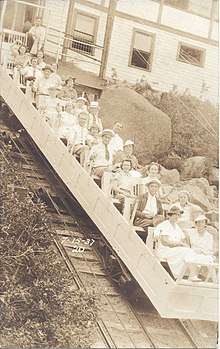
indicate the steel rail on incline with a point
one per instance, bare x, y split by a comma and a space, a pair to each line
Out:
107, 336
102, 327
169, 298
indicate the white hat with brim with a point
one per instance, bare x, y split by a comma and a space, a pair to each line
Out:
129, 142
155, 181
94, 104
201, 217
107, 131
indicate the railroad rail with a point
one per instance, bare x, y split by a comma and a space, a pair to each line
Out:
170, 298
122, 323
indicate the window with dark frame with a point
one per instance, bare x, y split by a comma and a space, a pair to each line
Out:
141, 55
183, 4
84, 33
191, 55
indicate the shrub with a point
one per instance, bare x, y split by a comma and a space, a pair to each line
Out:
194, 123
40, 305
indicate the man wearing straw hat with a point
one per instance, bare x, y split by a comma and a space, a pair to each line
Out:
149, 211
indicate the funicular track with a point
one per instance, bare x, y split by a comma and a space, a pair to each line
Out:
122, 323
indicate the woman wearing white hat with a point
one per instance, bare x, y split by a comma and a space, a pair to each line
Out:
201, 241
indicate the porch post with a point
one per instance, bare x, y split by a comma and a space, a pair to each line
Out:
107, 38
68, 30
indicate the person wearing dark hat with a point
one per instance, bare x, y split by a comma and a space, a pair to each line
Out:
68, 91
41, 85
100, 155
149, 212
172, 244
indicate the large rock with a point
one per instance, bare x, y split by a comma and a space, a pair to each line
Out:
213, 176
203, 184
169, 176
193, 167
198, 196
147, 126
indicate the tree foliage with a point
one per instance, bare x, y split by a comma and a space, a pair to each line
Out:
194, 123
40, 305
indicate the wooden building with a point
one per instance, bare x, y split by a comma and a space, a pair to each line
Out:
169, 42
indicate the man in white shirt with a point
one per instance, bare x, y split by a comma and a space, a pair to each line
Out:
116, 143
93, 118
76, 142
101, 155
36, 37
149, 211
41, 85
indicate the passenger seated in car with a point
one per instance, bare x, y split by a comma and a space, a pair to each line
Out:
189, 209
56, 78
31, 73
21, 58
116, 143
52, 106
200, 240
127, 153
80, 105
153, 171
77, 138
149, 211
94, 117
68, 91
93, 136
40, 60
65, 120
123, 183
172, 245
41, 85
100, 155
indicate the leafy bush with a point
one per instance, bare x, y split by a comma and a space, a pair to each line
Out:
40, 305
194, 123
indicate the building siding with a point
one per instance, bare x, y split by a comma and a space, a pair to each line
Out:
84, 62
166, 70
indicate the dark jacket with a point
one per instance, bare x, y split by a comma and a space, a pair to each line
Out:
142, 203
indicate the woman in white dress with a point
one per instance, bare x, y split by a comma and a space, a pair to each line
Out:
172, 244
200, 240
